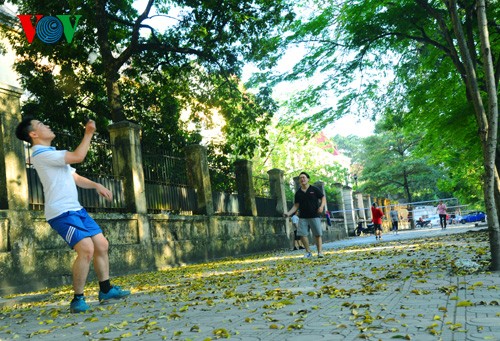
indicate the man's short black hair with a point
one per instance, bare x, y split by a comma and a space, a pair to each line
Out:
24, 128
307, 175
374, 204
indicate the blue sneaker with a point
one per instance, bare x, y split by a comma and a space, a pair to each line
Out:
78, 305
115, 293
308, 255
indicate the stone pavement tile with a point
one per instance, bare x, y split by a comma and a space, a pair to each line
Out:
392, 290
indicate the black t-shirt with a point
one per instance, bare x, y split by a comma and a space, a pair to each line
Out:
308, 201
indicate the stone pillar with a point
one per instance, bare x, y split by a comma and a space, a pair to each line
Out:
369, 198
277, 186
13, 179
127, 164
244, 183
16, 229
350, 220
360, 213
342, 206
387, 207
367, 201
199, 178
387, 213
296, 183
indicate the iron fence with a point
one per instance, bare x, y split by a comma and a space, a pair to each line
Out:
222, 177
226, 203
99, 158
36, 199
166, 182
165, 169
97, 167
266, 207
335, 208
164, 198
88, 197
261, 186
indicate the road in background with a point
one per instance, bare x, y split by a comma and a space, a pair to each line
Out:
405, 235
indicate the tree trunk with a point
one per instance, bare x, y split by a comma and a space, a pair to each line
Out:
111, 64
491, 188
114, 100
487, 123
493, 230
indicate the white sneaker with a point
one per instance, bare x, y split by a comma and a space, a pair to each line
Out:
320, 255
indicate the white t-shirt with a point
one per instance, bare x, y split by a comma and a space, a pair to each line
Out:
59, 187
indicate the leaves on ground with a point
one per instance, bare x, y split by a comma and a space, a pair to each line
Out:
278, 294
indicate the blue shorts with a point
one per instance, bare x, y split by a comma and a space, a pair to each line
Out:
74, 226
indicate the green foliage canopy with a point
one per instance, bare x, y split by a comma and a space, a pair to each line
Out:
401, 58
121, 67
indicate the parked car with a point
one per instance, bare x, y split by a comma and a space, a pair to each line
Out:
434, 218
454, 219
473, 217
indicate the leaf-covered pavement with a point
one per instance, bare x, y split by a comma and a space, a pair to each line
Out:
420, 289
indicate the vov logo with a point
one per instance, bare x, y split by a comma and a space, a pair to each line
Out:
49, 29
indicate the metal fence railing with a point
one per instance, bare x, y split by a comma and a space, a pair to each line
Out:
165, 198
266, 207
166, 184
222, 180
88, 197
95, 203
165, 169
36, 199
226, 203
98, 161
261, 186
97, 167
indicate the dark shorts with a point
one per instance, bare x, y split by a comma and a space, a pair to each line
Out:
73, 226
377, 227
295, 235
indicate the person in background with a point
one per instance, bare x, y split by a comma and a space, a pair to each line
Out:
395, 220
63, 210
297, 244
311, 202
377, 215
441, 210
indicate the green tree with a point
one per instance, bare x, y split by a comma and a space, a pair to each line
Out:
352, 146
352, 43
391, 166
120, 67
292, 148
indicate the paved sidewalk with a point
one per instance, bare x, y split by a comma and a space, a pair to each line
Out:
398, 288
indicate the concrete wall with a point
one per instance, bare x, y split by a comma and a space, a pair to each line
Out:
40, 258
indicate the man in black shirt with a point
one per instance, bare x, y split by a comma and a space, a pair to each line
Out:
311, 202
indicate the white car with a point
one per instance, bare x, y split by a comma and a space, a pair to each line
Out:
434, 218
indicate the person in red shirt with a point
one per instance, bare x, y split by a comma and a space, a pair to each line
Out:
377, 215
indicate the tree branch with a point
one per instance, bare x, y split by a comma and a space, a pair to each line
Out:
134, 41
453, 53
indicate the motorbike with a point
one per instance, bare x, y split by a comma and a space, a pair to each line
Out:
423, 223
368, 230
